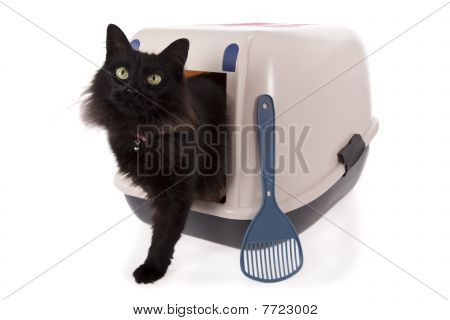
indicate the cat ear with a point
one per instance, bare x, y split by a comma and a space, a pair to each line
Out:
177, 50
116, 42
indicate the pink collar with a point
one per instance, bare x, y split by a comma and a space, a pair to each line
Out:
139, 136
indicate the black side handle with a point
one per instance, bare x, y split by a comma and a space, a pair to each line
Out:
351, 153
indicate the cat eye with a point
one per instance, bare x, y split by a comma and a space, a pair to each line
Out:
122, 73
154, 79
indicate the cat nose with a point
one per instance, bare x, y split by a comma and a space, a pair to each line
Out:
129, 90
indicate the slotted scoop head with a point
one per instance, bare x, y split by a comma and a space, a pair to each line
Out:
271, 250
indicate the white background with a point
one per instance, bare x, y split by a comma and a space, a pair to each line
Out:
56, 176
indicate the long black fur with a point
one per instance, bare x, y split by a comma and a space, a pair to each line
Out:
178, 108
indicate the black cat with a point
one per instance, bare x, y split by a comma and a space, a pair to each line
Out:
166, 133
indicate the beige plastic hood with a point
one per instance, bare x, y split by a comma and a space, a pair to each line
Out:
318, 78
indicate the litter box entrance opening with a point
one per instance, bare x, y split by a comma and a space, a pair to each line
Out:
220, 78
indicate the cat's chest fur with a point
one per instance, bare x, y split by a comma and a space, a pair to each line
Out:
153, 159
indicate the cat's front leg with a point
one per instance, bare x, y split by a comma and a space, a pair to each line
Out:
172, 208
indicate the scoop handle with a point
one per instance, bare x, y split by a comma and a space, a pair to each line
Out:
266, 135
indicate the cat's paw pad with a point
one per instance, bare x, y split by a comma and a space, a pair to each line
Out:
147, 274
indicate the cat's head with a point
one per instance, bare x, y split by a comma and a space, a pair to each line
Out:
134, 87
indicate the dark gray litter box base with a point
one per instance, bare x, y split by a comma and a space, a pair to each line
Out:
230, 232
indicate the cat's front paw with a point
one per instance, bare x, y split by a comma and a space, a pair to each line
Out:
146, 274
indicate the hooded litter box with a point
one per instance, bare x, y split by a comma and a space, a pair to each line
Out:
318, 79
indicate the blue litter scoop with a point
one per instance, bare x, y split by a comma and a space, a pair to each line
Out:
271, 250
